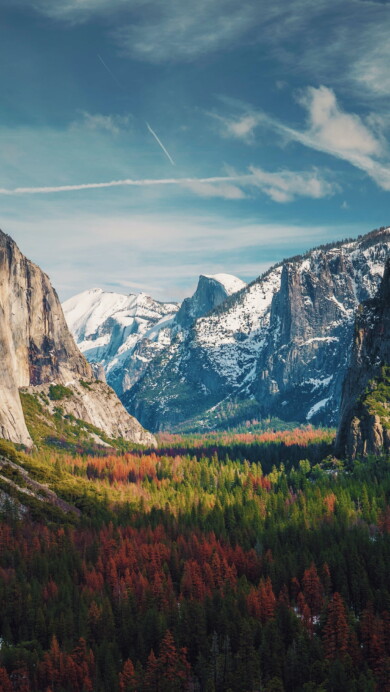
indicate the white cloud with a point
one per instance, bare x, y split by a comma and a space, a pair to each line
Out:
286, 186
109, 123
241, 127
343, 135
333, 129
225, 190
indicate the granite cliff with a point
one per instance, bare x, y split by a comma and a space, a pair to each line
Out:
365, 408
37, 349
281, 343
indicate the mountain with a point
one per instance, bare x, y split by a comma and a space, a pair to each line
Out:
120, 332
365, 408
281, 344
39, 356
124, 333
211, 292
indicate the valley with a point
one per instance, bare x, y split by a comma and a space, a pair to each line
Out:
230, 559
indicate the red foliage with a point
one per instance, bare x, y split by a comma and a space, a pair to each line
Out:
336, 631
127, 678
312, 589
5, 682
261, 602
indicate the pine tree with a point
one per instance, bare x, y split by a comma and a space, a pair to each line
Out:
127, 678
335, 636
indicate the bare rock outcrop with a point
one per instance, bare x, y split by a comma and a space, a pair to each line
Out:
365, 409
37, 348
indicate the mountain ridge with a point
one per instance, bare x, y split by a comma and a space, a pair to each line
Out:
269, 341
132, 329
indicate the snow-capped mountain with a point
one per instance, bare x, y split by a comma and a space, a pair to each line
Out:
211, 292
282, 342
124, 333
114, 330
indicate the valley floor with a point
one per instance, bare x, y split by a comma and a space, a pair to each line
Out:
229, 562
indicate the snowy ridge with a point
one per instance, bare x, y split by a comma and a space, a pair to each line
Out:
124, 333
231, 283
283, 341
108, 328
232, 338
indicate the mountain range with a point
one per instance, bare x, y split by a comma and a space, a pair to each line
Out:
279, 346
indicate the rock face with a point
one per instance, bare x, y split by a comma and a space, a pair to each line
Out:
36, 347
211, 292
123, 333
283, 342
365, 409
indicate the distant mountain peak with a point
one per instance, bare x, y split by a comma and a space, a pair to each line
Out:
231, 283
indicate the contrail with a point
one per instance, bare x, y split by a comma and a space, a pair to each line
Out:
122, 183
117, 82
152, 132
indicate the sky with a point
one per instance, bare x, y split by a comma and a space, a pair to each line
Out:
144, 142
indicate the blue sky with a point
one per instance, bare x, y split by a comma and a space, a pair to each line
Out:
144, 142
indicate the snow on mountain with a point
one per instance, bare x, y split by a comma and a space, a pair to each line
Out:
109, 329
123, 333
283, 341
231, 283
210, 292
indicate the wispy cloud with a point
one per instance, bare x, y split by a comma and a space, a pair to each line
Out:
286, 186
161, 253
97, 121
348, 41
177, 30
329, 129
241, 127
224, 189
283, 186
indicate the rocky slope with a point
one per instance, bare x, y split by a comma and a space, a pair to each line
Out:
365, 409
37, 348
123, 333
283, 342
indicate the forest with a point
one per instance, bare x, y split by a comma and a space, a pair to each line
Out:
229, 562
